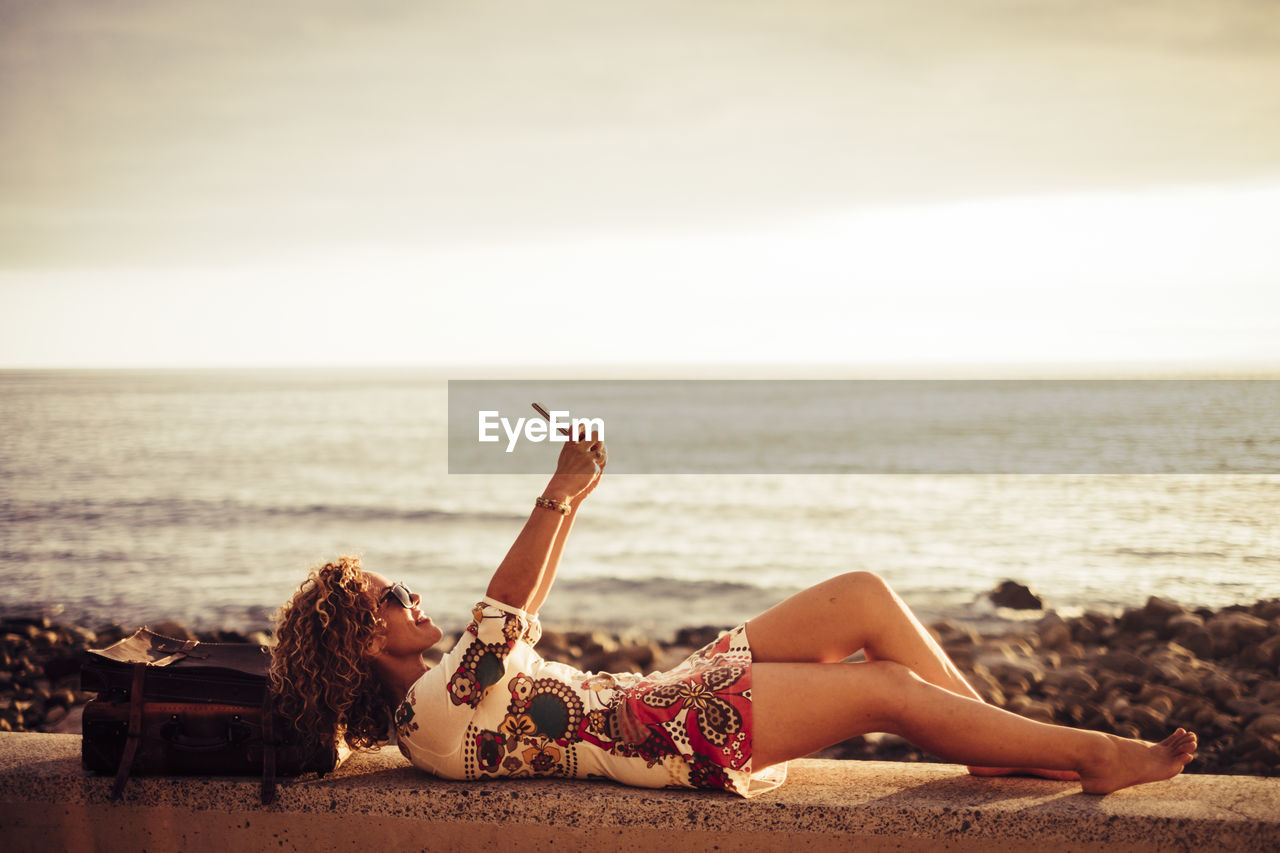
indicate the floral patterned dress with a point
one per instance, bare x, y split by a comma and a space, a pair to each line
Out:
494, 708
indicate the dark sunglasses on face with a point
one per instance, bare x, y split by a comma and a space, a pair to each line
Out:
400, 593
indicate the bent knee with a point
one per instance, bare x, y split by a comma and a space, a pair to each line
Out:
898, 688
894, 673
863, 584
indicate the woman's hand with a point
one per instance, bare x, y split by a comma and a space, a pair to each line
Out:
591, 487
578, 470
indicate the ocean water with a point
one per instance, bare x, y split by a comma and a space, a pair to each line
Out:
204, 496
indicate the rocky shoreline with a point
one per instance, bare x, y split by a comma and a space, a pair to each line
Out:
1139, 674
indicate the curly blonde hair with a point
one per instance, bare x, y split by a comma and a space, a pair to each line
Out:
319, 674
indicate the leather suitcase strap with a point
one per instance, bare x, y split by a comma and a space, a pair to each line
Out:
268, 752
135, 730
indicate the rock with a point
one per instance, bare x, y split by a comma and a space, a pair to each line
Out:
1267, 653
223, 636
61, 665
260, 638
1268, 610
1100, 720
1015, 596
112, 633
697, 637
82, 636
1220, 688
554, 646
1149, 721
1132, 620
1245, 708
1232, 631
1054, 633
1203, 716
981, 679
1160, 705
1073, 651
1110, 680
71, 724
1263, 749
1187, 682
1088, 628
45, 640
1164, 671
1128, 730
1182, 623
1223, 723
1267, 724
1267, 754
1197, 641
632, 657
1123, 661
1158, 611
1015, 673
1030, 708
949, 631
1074, 679
170, 628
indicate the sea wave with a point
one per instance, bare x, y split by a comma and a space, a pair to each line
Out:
213, 513
657, 586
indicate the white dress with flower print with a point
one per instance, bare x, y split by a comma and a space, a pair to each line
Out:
494, 708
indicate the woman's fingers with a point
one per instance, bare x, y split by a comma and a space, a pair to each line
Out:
584, 457
592, 444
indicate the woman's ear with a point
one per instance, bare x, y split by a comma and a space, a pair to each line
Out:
376, 644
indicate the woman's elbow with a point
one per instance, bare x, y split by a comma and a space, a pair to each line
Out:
509, 595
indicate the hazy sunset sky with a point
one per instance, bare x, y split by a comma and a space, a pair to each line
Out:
407, 182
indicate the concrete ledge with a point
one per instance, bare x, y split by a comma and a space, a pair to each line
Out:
48, 803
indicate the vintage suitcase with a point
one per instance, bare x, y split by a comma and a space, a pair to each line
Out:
180, 707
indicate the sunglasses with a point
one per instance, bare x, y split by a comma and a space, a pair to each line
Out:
400, 593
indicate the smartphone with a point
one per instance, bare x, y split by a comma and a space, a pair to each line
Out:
547, 415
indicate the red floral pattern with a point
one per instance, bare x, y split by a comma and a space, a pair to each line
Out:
687, 727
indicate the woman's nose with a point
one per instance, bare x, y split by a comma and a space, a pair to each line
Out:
415, 598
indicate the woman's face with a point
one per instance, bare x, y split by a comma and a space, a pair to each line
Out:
408, 629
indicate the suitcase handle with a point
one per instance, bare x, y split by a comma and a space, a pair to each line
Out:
237, 732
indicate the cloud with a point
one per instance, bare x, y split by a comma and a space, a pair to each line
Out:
1182, 275
173, 134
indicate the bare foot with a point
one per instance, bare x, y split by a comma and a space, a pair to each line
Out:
1059, 775
1122, 762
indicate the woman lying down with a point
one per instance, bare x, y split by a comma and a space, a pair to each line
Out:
349, 664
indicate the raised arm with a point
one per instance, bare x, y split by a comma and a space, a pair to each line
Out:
527, 572
557, 547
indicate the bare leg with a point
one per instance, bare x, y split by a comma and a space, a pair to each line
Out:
800, 708
852, 612
859, 611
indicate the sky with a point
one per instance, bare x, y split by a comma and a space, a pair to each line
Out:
930, 182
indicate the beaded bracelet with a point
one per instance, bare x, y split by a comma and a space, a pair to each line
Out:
551, 503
